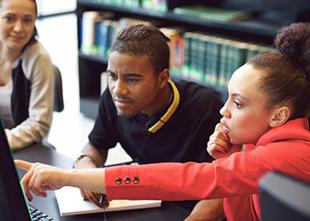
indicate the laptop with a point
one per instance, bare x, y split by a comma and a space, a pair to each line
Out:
14, 205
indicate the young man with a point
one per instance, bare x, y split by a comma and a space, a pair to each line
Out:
153, 118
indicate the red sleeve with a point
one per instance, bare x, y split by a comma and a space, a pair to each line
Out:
176, 181
235, 175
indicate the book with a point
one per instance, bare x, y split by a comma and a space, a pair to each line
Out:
106, 34
217, 14
224, 62
131, 3
90, 30
187, 60
70, 202
156, 5
196, 67
176, 46
213, 50
101, 31
199, 65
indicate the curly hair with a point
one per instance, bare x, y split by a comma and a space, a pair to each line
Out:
286, 77
144, 40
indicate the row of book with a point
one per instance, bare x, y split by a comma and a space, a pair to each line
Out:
201, 11
158, 5
208, 58
99, 30
197, 56
213, 13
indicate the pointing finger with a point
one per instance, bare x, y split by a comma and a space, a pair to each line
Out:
24, 165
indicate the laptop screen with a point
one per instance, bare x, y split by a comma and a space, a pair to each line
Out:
13, 206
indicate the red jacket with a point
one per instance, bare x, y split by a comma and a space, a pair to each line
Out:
285, 148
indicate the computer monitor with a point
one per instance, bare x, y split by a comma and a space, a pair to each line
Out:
284, 198
13, 205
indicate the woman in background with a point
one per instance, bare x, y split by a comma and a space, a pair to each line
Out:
26, 75
266, 109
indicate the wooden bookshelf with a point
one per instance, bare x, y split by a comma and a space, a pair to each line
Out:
257, 29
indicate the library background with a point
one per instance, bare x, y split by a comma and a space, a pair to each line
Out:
209, 39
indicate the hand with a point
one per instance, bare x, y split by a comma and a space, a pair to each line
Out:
96, 198
41, 177
219, 145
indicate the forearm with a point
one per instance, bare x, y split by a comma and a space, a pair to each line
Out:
26, 133
90, 179
207, 210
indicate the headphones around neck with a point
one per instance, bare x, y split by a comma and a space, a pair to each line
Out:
173, 107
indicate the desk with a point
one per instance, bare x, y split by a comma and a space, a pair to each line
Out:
43, 154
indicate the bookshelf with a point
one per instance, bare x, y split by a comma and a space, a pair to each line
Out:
261, 28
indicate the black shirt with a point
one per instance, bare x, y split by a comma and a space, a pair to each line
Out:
183, 138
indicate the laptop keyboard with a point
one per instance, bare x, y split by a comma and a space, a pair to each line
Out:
38, 215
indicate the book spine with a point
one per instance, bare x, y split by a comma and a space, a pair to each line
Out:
201, 58
131, 3
224, 63
212, 65
194, 58
88, 32
176, 55
102, 38
187, 55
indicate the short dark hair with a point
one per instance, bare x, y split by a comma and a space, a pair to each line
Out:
286, 77
145, 40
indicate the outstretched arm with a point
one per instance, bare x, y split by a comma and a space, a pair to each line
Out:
181, 181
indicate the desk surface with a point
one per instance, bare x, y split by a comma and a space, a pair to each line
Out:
40, 153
